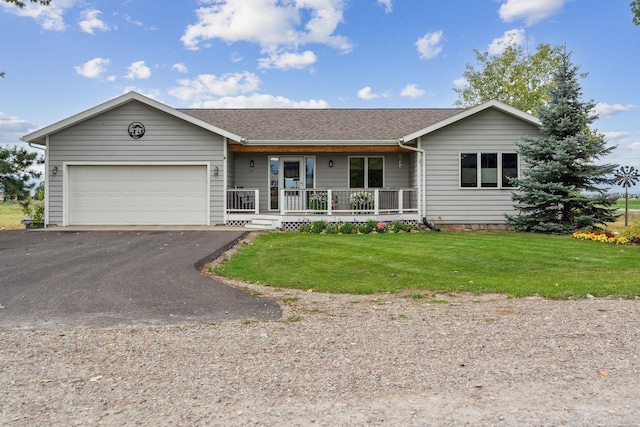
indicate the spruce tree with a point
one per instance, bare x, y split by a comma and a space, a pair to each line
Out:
562, 186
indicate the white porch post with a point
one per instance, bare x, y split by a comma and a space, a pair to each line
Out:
256, 198
376, 202
282, 202
329, 201
400, 201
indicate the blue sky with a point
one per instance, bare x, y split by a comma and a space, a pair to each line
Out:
70, 56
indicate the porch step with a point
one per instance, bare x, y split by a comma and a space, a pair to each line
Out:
264, 222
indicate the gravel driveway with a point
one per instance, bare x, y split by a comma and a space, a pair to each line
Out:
340, 360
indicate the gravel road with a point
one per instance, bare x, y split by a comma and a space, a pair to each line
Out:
340, 360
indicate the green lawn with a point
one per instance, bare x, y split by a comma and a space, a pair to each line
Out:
10, 216
516, 264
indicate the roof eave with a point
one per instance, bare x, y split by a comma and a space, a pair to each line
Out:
530, 118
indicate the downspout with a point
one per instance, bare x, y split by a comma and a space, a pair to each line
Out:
422, 184
225, 182
46, 178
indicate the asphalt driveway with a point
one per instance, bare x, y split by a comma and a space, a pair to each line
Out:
63, 279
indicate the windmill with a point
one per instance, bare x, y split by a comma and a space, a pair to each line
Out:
627, 176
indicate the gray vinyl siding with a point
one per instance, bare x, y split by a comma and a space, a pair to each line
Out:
104, 138
489, 131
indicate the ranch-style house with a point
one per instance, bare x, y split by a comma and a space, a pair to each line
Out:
136, 161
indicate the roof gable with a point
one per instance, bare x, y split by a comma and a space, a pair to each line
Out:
39, 136
500, 106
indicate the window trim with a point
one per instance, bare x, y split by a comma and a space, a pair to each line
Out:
366, 170
500, 170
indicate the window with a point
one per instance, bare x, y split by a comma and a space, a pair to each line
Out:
509, 169
488, 170
366, 172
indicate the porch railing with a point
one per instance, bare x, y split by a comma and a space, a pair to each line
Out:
240, 200
355, 201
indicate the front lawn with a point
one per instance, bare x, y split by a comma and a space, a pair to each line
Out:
517, 264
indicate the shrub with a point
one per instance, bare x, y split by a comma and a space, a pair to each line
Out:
368, 227
382, 227
398, 227
305, 228
632, 232
347, 228
332, 229
318, 226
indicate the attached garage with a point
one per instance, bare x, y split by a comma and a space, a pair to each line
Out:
135, 194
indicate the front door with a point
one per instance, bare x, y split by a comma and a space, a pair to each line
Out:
291, 174
292, 179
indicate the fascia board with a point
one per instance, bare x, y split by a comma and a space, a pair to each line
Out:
312, 142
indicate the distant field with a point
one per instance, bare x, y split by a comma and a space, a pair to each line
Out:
633, 204
10, 216
634, 214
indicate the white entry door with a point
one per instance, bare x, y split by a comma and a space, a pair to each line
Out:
292, 179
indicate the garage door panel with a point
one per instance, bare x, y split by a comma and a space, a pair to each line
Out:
138, 195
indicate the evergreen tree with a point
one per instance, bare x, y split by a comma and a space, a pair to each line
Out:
560, 169
17, 173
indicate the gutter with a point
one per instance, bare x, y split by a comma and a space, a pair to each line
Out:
422, 178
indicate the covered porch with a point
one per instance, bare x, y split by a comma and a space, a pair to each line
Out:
288, 208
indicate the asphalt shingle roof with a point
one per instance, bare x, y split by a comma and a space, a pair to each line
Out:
323, 124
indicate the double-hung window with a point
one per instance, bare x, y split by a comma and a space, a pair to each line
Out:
488, 170
366, 172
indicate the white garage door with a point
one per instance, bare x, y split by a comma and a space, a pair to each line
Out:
137, 195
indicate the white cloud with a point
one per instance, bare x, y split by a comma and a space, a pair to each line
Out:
288, 60
259, 101
509, 38
634, 146
532, 11
273, 25
208, 86
429, 45
367, 94
94, 68
461, 82
412, 91
388, 6
149, 93
615, 135
12, 128
137, 70
180, 67
49, 17
13, 124
602, 109
90, 21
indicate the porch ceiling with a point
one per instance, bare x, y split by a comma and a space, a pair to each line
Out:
238, 148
